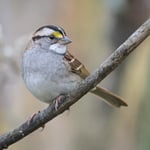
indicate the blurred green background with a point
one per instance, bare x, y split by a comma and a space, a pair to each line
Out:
96, 28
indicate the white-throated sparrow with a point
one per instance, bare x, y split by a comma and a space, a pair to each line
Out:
49, 70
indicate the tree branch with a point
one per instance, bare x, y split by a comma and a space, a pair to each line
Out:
90, 82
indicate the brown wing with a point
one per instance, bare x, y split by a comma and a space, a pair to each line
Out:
76, 66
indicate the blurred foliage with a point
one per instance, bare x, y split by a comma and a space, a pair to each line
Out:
95, 27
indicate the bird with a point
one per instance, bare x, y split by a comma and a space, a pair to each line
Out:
50, 70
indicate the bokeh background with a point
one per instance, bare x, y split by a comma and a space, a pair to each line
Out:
96, 28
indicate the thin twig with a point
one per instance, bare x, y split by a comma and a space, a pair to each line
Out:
104, 69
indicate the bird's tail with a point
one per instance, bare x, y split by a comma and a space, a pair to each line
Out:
109, 97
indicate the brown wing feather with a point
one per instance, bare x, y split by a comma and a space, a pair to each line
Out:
76, 66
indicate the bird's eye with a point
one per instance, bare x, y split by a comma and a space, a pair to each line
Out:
52, 37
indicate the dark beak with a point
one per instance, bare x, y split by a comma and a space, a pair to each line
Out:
65, 40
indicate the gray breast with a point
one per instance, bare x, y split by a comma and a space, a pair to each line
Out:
46, 75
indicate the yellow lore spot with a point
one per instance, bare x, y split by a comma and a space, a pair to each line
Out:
57, 34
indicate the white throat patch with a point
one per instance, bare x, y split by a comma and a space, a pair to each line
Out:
58, 48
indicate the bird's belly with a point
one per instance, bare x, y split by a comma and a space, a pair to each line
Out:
48, 89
